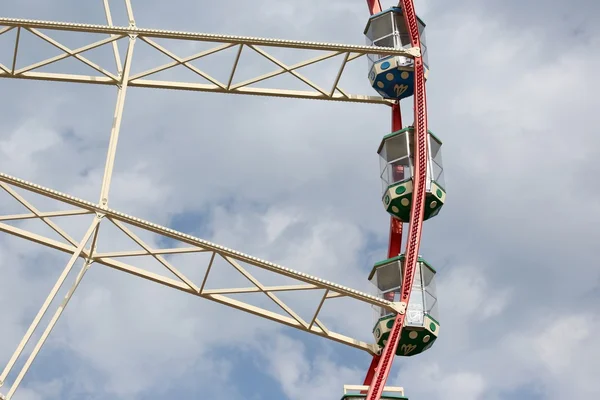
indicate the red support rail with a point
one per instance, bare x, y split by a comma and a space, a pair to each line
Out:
382, 364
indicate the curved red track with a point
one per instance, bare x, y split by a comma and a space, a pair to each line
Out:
382, 364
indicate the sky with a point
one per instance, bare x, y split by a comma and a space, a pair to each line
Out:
296, 182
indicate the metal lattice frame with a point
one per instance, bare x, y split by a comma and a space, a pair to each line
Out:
114, 34
86, 247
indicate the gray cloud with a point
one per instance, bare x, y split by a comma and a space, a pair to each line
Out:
511, 96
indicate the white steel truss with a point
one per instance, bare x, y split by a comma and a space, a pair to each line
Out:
86, 248
114, 34
192, 244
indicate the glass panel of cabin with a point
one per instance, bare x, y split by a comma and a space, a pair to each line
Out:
386, 41
372, 58
418, 281
431, 306
402, 39
388, 277
385, 180
436, 147
429, 280
438, 174
392, 295
435, 150
380, 32
396, 171
416, 308
401, 31
395, 147
411, 147
383, 157
424, 55
423, 38
379, 27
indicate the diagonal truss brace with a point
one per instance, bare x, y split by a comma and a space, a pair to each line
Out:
114, 34
92, 232
183, 283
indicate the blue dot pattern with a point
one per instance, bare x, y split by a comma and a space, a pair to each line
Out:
397, 88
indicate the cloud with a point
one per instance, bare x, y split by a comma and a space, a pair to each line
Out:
302, 377
295, 182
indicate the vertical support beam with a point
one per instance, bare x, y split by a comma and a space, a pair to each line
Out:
395, 241
36, 321
374, 6
371, 371
116, 128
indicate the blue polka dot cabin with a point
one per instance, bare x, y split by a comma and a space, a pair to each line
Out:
392, 76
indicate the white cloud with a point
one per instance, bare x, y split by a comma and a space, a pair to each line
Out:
470, 296
560, 343
516, 115
301, 378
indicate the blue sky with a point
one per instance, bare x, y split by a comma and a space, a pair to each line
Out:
296, 182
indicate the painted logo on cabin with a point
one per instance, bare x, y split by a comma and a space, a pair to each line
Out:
400, 89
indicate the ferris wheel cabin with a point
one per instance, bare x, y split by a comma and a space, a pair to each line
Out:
421, 326
396, 153
393, 76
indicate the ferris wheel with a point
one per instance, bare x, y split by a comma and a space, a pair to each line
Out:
413, 188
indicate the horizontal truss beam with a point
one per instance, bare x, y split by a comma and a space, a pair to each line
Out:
204, 37
347, 53
306, 282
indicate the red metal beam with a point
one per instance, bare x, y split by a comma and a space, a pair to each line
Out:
374, 6
395, 241
395, 238
384, 365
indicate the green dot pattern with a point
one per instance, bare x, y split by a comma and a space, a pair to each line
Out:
392, 202
407, 346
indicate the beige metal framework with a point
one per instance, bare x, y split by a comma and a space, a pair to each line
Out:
347, 53
86, 247
357, 389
